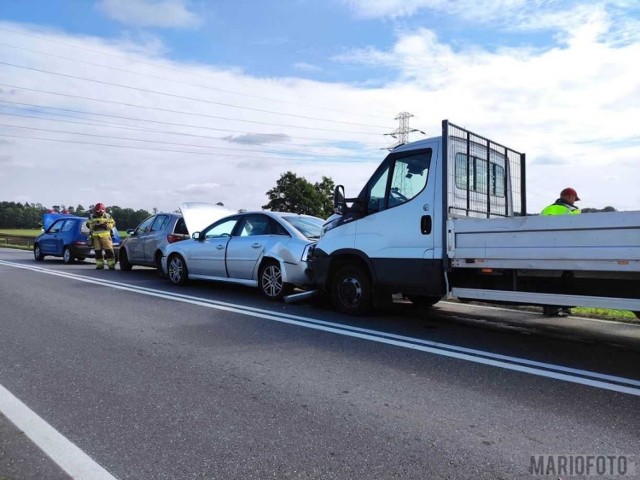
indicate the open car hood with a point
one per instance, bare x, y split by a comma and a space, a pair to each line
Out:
199, 215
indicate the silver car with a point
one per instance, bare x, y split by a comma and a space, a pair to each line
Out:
262, 249
145, 243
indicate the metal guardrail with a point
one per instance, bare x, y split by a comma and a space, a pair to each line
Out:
19, 240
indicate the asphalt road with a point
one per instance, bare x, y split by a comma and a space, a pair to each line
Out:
210, 381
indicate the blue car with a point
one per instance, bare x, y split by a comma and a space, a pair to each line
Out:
67, 236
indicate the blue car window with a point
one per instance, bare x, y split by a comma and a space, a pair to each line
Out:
55, 228
68, 225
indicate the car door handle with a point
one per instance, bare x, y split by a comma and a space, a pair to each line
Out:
220, 247
256, 245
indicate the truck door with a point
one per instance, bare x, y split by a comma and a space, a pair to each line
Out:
396, 232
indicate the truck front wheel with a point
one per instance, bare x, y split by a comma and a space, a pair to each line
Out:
351, 290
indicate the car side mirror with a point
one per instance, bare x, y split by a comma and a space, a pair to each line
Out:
131, 231
196, 236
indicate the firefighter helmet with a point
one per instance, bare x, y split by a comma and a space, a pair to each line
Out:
100, 208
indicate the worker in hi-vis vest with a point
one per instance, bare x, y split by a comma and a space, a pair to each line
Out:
100, 223
562, 206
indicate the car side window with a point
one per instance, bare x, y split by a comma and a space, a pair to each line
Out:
68, 225
159, 223
145, 226
55, 228
252, 225
223, 228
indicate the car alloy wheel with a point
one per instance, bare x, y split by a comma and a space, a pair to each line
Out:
271, 283
67, 256
177, 270
37, 253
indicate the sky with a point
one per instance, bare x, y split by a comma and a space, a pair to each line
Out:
151, 103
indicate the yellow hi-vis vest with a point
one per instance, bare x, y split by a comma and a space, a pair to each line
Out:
101, 225
560, 207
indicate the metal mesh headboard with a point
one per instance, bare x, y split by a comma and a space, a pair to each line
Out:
484, 178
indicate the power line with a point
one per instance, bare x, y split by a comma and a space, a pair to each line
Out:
181, 112
153, 141
157, 77
131, 147
137, 60
183, 97
122, 117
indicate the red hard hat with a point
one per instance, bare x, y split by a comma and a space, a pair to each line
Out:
100, 207
569, 191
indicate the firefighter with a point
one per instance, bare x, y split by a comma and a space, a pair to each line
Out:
562, 206
100, 224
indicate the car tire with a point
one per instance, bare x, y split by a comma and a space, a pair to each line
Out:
351, 291
177, 270
423, 301
125, 266
67, 256
158, 263
270, 281
37, 253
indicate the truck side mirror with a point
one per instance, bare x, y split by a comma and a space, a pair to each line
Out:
339, 203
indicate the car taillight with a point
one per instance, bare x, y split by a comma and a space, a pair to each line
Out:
173, 238
80, 243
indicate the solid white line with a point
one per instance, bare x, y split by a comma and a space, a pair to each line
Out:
62, 451
452, 351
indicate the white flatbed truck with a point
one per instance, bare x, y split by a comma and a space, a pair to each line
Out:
446, 216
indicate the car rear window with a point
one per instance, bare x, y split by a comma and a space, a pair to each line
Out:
181, 227
310, 227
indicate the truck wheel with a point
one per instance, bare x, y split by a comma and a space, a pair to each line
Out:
423, 300
178, 273
37, 253
125, 266
67, 256
351, 290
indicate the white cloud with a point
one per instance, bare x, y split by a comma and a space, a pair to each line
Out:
151, 13
307, 67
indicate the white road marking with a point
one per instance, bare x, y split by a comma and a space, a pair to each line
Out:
548, 370
62, 451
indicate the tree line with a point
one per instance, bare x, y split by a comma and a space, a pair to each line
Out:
291, 194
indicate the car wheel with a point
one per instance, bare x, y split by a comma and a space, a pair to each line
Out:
423, 300
125, 266
158, 264
270, 281
67, 256
178, 273
351, 290
37, 253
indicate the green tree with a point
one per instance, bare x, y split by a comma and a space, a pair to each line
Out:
297, 195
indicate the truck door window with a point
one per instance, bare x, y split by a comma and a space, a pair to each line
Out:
409, 178
398, 180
